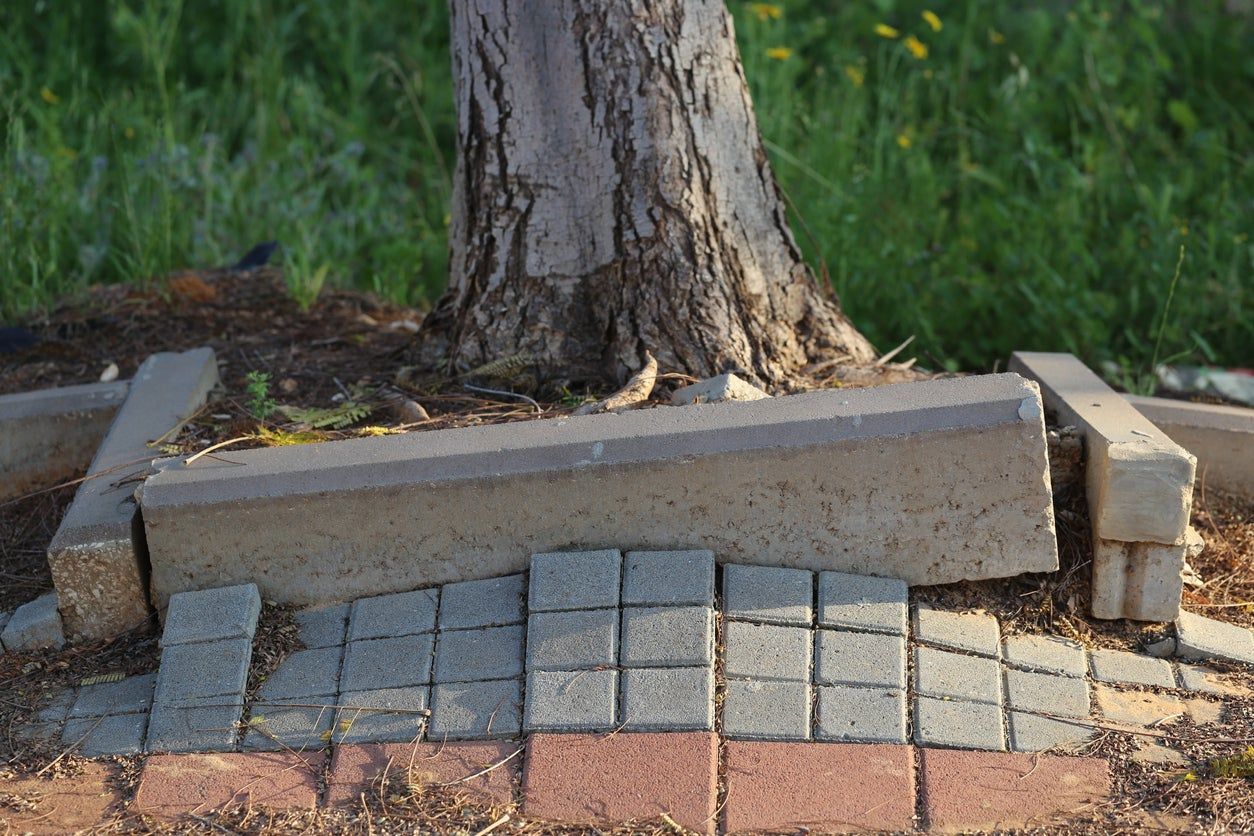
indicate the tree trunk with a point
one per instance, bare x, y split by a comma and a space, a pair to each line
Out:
613, 196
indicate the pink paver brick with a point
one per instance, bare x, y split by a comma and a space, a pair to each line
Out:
66, 804
172, 786
821, 786
605, 779
355, 767
965, 790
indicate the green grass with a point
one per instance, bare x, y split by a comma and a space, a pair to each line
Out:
1028, 184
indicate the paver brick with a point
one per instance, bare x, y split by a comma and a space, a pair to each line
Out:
667, 636
818, 787
122, 734
570, 700
572, 640
1134, 668
174, 786
205, 669
875, 715
600, 779
972, 632
127, 696
468, 710
305, 673
957, 723
673, 578
355, 768
382, 715
78, 802
207, 615
1047, 693
1207, 681
36, 625
668, 699
767, 651
842, 658
323, 626
485, 653
863, 602
1198, 637
575, 580
398, 662
768, 594
969, 791
767, 709
494, 602
1034, 733
398, 614
1049, 654
1138, 708
299, 723
207, 725
939, 673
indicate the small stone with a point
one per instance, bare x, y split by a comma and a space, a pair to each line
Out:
669, 578
767, 651
388, 616
211, 615
972, 632
36, 625
863, 602
574, 640
575, 580
570, 700
657, 637
873, 715
723, 387
409, 411
769, 710
768, 594
1124, 667
1161, 649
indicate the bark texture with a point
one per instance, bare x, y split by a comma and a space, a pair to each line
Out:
613, 197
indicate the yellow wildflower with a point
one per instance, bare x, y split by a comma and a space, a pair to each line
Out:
886, 31
932, 20
917, 48
996, 37
129, 133
49, 96
779, 53
855, 74
904, 141
766, 11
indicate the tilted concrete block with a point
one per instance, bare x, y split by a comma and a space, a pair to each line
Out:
1222, 438
49, 435
1141, 581
36, 625
1139, 482
930, 482
96, 565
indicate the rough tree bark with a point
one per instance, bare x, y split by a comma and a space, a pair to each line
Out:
613, 196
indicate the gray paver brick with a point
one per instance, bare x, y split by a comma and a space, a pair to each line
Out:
1198, 637
958, 724
1122, 666
486, 653
774, 710
1033, 733
767, 651
572, 640
494, 602
863, 602
570, 700
278, 725
128, 696
939, 673
668, 699
206, 669
305, 673
204, 615
398, 662
58, 708
35, 625
399, 614
973, 632
1207, 681
768, 594
209, 725
471, 710
574, 580
669, 578
382, 715
121, 734
663, 637
1048, 693
323, 626
872, 715
874, 659
1049, 654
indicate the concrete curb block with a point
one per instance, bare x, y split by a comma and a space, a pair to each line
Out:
1222, 438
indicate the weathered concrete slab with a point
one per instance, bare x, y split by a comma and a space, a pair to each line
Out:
929, 482
35, 625
96, 565
49, 435
1142, 581
1222, 438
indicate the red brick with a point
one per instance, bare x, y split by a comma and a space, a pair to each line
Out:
997, 790
354, 767
68, 804
820, 786
175, 785
607, 779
